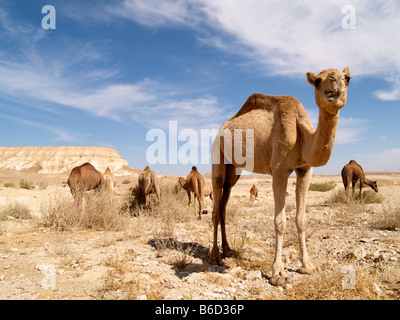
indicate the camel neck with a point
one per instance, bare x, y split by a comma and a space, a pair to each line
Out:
323, 139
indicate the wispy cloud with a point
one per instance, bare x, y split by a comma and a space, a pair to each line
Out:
77, 78
386, 160
287, 37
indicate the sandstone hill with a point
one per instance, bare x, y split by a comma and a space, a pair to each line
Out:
61, 159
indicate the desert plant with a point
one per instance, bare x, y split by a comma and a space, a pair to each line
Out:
26, 184
99, 211
389, 219
15, 210
9, 185
322, 186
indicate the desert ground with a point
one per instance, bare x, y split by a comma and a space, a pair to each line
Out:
162, 254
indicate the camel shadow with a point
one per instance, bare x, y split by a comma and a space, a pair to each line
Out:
183, 265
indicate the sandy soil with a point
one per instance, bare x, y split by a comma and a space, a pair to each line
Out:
40, 263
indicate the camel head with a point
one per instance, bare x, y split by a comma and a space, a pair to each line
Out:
330, 88
374, 186
181, 181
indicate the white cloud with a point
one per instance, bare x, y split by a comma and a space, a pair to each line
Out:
350, 130
386, 160
287, 37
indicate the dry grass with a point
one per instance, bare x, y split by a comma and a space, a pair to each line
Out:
99, 212
15, 210
389, 219
322, 186
343, 283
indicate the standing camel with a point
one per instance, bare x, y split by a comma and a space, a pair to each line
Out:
207, 190
253, 193
84, 178
284, 140
148, 182
351, 174
195, 183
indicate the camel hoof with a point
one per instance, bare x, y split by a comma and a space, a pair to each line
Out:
277, 280
215, 260
227, 253
309, 269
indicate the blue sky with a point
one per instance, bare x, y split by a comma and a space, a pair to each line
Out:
113, 71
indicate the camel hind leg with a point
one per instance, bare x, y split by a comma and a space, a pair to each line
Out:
223, 179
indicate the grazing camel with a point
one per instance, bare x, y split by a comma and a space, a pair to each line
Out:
253, 193
84, 178
147, 182
351, 174
109, 180
283, 140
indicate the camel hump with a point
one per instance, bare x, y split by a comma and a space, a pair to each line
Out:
270, 103
353, 162
194, 169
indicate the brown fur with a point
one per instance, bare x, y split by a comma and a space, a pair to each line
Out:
253, 192
351, 174
148, 182
207, 190
284, 141
84, 178
109, 180
195, 183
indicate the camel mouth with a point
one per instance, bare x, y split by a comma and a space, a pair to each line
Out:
332, 95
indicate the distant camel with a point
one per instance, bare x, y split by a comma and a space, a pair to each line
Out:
195, 183
352, 173
253, 193
207, 190
84, 178
109, 180
147, 182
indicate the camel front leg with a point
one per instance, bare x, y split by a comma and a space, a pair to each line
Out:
279, 185
302, 185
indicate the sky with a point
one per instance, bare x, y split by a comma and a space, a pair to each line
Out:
137, 74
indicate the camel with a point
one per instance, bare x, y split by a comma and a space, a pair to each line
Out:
109, 180
352, 173
195, 183
148, 182
84, 178
253, 193
283, 140
207, 190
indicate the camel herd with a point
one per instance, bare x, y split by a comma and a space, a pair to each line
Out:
284, 141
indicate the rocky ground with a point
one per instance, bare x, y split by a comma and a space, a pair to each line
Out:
154, 258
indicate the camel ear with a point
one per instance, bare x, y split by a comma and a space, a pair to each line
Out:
347, 74
311, 77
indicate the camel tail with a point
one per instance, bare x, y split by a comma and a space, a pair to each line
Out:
150, 187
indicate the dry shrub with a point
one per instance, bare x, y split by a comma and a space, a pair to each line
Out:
389, 219
368, 197
336, 285
16, 210
322, 186
100, 211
